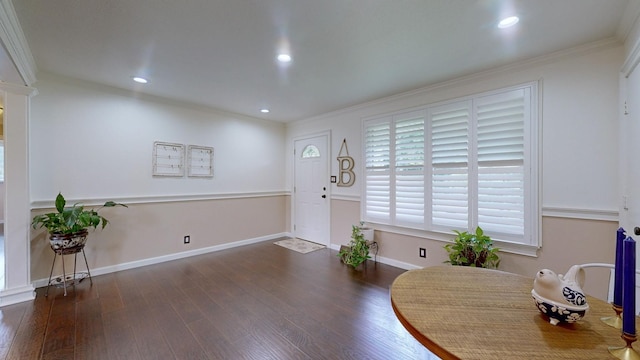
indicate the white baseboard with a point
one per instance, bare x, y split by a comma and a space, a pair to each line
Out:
16, 295
387, 261
169, 257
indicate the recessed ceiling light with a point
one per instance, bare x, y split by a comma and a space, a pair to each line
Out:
140, 80
508, 22
264, 111
285, 58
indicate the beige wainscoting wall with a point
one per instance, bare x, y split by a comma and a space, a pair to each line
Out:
565, 242
151, 232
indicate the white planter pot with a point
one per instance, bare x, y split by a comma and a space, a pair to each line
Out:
367, 233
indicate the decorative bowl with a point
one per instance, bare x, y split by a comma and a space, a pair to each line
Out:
558, 312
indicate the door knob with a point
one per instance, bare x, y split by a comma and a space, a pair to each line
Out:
636, 230
324, 196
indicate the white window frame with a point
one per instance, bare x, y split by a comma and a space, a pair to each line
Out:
527, 244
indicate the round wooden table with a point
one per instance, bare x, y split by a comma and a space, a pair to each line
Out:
462, 312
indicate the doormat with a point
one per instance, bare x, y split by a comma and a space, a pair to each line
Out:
301, 246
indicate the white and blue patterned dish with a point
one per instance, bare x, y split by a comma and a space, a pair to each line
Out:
557, 312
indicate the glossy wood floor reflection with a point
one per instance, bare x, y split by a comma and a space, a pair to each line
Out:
259, 301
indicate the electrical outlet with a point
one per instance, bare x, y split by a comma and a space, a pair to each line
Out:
187, 239
423, 252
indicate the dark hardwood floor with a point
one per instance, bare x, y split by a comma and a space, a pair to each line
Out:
259, 301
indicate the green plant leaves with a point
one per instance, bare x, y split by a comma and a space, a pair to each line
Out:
60, 202
358, 251
472, 249
72, 219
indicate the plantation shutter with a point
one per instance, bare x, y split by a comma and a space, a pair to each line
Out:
409, 168
456, 165
377, 157
450, 165
500, 158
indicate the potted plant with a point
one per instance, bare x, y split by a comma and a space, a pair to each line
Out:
68, 226
473, 249
357, 251
367, 232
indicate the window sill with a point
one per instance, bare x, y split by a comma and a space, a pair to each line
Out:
504, 246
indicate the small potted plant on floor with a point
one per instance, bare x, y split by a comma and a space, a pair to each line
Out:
357, 251
473, 249
68, 226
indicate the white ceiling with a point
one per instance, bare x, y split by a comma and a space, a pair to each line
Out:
222, 53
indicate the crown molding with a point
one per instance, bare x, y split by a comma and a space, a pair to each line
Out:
629, 32
631, 60
471, 78
15, 43
629, 20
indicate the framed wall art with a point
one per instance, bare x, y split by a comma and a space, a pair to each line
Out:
200, 161
168, 159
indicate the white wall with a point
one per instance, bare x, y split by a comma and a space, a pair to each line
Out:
579, 182
579, 122
91, 141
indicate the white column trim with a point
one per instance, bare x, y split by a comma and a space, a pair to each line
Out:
17, 244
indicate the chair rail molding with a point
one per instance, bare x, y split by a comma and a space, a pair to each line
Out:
576, 213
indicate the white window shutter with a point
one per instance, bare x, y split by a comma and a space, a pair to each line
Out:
449, 132
377, 154
457, 165
500, 156
409, 168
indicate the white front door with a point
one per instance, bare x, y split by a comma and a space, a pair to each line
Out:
311, 189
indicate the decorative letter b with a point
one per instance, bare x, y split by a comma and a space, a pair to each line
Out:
346, 177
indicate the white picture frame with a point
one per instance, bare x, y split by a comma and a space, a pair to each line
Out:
168, 159
200, 161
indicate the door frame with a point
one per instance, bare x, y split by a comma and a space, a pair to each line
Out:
327, 134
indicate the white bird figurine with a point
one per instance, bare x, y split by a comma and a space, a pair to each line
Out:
563, 289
